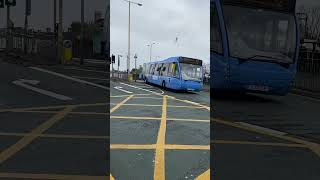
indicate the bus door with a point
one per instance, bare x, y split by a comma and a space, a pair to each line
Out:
174, 80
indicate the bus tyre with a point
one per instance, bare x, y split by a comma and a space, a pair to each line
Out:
163, 85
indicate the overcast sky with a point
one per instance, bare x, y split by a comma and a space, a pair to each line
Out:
161, 21
42, 12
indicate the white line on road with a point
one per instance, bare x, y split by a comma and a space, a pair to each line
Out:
23, 83
88, 70
262, 128
120, 89
70, 78
142, 89
82, 77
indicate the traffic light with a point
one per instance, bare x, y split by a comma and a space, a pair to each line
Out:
11, 2
1, 3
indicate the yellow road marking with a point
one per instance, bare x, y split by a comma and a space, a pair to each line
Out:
50, 176
187, 147
147, 98
157, 105
55, 136
153, 146
51, 107
204, 176
120, 104
4, 155
258, 143
191, 120
53, 112
132, 146
111, 177
159, 163
190, 102
314, 147
155, 118
138, 118
120, 96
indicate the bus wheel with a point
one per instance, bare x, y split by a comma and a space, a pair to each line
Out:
163, 85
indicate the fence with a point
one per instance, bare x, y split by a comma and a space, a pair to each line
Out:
308, 72
36, 45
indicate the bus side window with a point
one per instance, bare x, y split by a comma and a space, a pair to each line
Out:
152, 69
169, 71
161, 69
164, 69
215, 40
175, 70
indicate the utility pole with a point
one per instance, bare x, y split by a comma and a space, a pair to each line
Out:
8, 28
60, 31
54, 14
82, 33
128, 60
27, 13
128, 57
54, 30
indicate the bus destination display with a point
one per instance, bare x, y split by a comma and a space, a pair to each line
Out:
279, 5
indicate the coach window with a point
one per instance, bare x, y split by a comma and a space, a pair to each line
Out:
165, 69
169, 74
152, 69
175, 70
215, 40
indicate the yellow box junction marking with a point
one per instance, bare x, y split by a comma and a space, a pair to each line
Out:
6, 154
159, 163
204, 176
120, 104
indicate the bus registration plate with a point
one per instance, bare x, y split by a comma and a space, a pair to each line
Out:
258, 88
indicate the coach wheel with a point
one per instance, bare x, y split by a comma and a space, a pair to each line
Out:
163, 85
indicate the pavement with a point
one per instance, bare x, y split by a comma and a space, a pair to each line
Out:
265, 137
53, 122
158, 134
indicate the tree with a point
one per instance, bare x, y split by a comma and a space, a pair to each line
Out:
313, 21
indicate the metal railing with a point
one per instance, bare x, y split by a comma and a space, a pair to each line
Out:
308, 72
34, 44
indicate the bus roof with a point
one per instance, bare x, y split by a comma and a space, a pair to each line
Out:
171, 59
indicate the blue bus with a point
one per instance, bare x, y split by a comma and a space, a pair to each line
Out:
254, 45
177, 73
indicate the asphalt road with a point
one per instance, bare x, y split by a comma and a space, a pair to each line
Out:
158, 134
53, 122
265, 137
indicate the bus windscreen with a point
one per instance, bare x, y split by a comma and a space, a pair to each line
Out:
278, 5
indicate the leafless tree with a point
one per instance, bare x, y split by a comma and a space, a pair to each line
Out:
313, 21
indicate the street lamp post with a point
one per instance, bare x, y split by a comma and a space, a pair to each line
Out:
128, 57
150, 45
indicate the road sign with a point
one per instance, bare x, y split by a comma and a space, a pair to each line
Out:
28, 85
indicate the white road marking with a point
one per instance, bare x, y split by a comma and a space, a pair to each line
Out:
262, 128
82, 77
24, 83
70, 78
87, 70
120, 89
92, 61
142, 89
